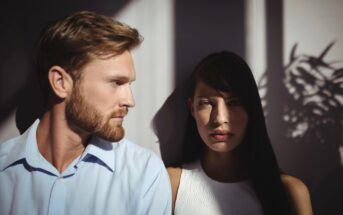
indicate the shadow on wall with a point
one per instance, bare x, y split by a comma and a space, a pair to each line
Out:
313, 118
328, 198
22, 22
170, 123
201, 27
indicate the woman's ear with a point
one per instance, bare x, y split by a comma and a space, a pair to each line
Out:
190, 106
60, 81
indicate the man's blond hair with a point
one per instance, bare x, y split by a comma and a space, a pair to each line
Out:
73, 41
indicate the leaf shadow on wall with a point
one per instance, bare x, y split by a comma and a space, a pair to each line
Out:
313, 119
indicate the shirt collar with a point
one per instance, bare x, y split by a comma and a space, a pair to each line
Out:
21, 145
102, 150
25, 147
33, 157
98, 148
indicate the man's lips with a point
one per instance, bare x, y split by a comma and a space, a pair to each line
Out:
119, 115
118, 118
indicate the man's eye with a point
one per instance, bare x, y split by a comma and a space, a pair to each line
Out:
117, 82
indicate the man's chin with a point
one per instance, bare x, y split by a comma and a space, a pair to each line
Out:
115, 139
116, 122
112, 136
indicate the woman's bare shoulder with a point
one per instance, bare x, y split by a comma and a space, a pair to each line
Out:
298, 194
174, 175
174, 172
295, 185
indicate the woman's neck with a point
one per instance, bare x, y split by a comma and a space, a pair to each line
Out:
223, 167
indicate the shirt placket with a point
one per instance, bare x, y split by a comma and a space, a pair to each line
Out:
57, 197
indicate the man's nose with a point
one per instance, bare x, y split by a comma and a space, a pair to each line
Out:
127, 97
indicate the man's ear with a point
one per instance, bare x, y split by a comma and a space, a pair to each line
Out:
60, 81
190, 106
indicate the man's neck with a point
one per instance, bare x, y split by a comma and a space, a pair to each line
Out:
59, 144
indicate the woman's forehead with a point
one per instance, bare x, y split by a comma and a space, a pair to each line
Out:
204, 90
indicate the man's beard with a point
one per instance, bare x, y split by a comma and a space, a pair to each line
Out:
85, 117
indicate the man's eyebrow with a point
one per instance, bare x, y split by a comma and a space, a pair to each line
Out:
120, 77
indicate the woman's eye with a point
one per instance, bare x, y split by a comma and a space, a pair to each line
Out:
204, 103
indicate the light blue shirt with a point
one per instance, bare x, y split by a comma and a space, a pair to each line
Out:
108, 178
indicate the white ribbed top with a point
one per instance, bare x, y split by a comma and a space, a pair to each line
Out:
199, 194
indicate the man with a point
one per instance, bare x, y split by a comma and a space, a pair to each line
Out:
74, 160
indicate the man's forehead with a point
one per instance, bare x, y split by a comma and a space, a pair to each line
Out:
118, 66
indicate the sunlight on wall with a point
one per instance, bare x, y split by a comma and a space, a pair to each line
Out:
255, 37
313, 25
154, 61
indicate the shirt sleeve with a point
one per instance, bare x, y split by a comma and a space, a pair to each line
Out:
157, 198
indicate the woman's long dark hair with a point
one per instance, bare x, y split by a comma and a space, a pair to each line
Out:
227, 72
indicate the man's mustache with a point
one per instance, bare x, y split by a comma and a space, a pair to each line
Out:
120, 113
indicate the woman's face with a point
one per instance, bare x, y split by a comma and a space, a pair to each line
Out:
220, 117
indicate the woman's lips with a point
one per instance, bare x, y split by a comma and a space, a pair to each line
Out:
221, 135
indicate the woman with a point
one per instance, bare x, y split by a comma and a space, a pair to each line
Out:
229, 166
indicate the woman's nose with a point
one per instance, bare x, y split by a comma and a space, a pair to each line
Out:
221, 113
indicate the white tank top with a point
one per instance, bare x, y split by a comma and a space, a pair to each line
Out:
199, 194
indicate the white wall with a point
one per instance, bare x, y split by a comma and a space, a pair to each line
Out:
154, 61
313, 24
255, 28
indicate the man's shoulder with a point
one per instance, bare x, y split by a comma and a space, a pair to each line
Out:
142, 165
132, 154
130, 147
